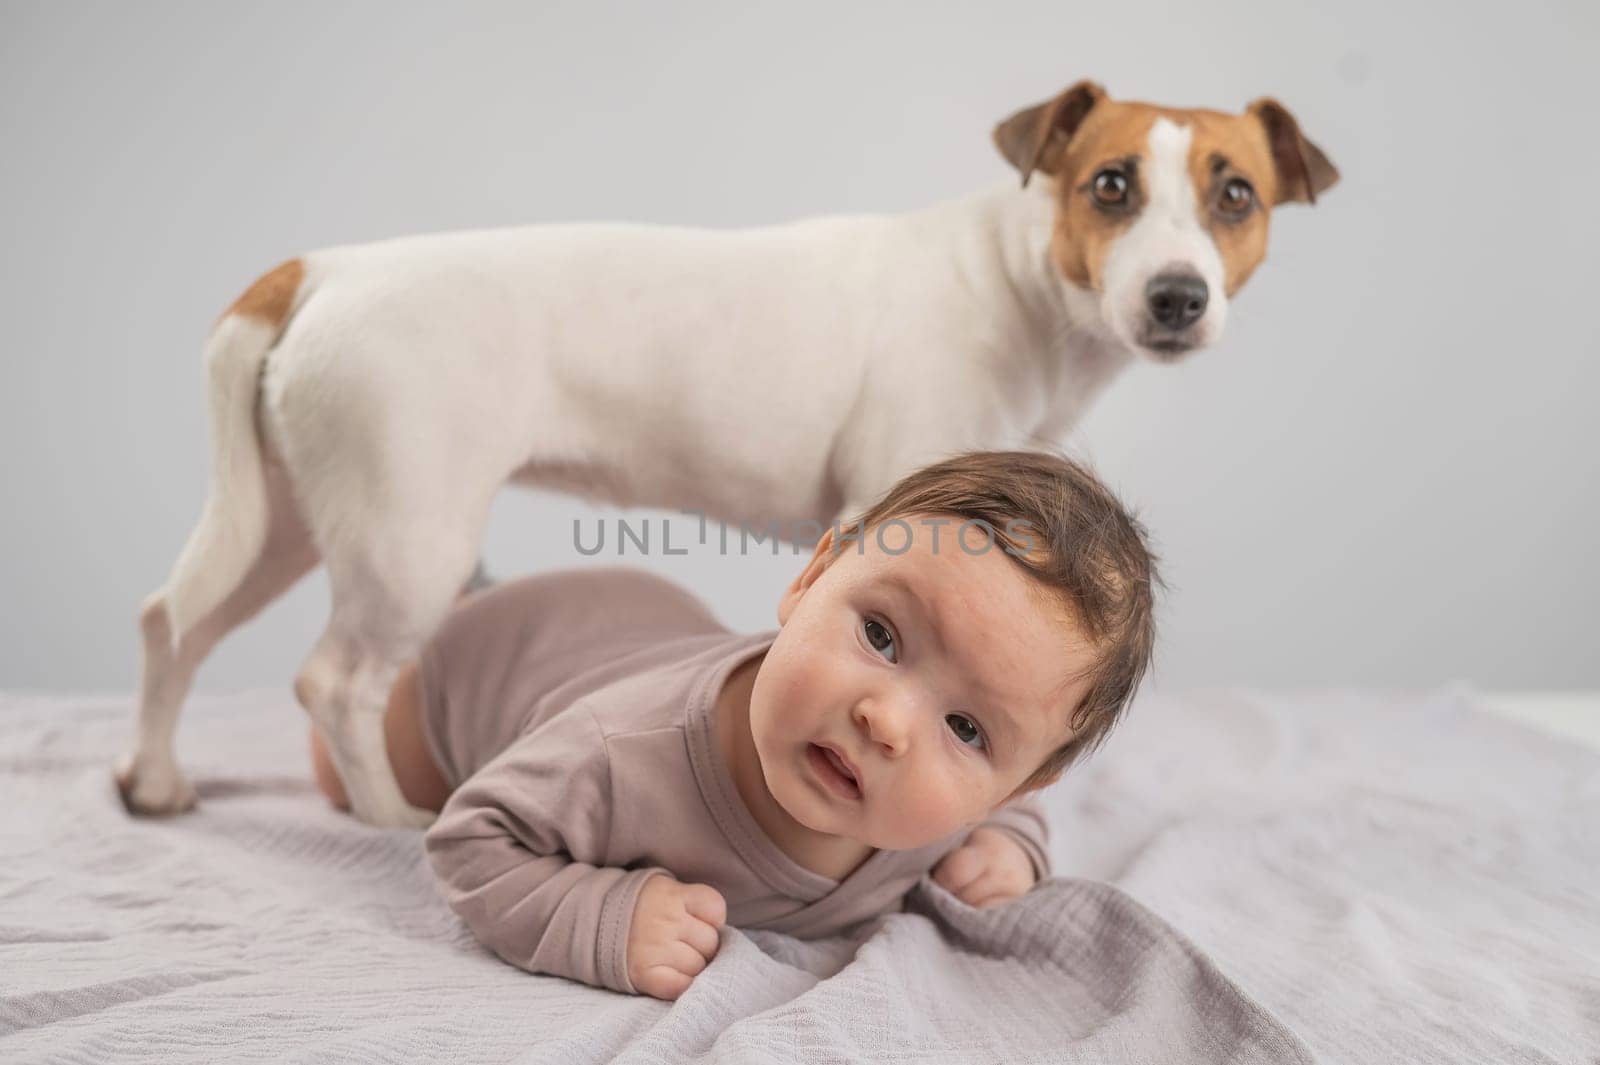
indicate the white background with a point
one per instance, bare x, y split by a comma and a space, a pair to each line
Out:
1385, 474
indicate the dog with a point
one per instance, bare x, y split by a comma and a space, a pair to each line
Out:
368, 401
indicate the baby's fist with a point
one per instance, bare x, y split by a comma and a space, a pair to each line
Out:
673, 935
989, 868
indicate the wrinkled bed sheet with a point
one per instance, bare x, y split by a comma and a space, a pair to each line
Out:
1247, 877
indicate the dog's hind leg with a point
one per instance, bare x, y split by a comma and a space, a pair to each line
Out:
148, 777
247, 548
389, 594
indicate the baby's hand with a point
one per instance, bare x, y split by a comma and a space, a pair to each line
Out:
988, 869
673, 935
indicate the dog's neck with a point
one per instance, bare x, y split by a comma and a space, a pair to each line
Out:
1060, 332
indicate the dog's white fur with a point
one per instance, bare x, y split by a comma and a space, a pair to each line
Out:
789, 374
1167, 231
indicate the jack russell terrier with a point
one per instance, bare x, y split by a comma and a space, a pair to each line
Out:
368, 401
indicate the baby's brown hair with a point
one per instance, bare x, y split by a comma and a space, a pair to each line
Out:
1057, 521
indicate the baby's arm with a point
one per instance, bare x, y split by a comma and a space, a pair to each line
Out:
1023, 820
1003, 857
674, 935
520, 849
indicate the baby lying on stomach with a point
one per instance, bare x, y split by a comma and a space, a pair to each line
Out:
618, 775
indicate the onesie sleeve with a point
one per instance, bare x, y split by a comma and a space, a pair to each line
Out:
1024, 820
519, 853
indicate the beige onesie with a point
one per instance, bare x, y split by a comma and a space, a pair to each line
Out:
572, 712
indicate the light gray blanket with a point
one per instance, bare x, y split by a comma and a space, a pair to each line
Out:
1340, 878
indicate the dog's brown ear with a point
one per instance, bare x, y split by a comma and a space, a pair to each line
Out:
1303, 171
1036, 138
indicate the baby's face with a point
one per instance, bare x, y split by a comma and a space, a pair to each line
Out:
906, 696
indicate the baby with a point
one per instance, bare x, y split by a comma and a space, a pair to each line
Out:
618, 775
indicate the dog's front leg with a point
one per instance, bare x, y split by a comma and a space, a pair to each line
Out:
346, 692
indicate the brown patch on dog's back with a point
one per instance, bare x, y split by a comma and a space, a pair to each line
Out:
271, 298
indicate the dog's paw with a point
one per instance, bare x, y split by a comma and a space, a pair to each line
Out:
412, 817
153, 790
398, 816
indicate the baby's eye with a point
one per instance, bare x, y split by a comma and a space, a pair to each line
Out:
880, 638
966, 731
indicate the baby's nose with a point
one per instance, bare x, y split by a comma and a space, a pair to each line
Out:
886, 721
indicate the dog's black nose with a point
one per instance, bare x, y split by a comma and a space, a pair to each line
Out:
1176, 300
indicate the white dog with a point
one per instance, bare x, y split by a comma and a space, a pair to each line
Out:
367, 402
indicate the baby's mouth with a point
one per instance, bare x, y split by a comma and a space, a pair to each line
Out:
833, 771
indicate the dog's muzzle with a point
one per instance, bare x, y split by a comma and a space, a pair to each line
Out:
1173, 303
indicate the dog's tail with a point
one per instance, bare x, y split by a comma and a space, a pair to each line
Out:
233, 526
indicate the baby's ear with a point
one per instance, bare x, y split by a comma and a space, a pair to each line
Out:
798, 587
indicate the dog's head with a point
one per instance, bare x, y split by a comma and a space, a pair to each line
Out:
1163, 212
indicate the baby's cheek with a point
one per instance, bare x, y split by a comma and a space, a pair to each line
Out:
778, 708
918, 816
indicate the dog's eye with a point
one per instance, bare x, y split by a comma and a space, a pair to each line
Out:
1111, 187
1237, 197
